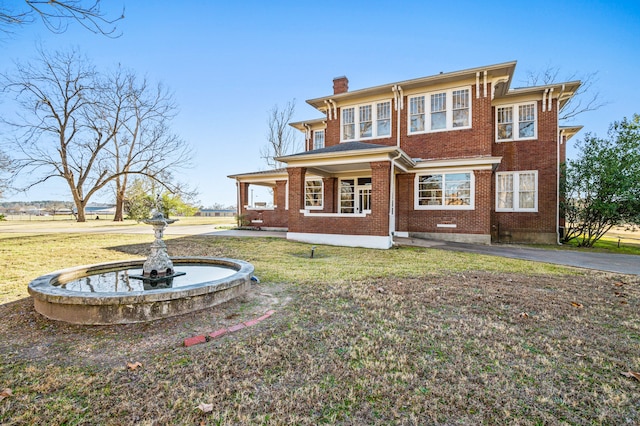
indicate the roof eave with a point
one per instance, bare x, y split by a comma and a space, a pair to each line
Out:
505, 69
300, 125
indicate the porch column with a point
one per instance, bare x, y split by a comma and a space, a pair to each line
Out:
329, 190
380, 193
280, 194
244, 197
296, 196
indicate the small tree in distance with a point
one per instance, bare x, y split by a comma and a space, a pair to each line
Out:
281, 138
586, 98
602, 185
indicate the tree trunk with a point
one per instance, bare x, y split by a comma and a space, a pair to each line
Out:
121, 189
80, 203
119, 216
81, 217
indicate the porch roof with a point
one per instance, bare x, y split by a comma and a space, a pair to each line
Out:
347, 157
265, 177
570, 131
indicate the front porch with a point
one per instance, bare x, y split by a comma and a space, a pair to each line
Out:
341, 195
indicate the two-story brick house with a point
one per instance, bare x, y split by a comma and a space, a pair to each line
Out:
457, 156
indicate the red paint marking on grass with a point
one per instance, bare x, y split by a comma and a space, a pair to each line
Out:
221, 332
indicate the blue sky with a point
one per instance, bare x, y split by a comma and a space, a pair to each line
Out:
228, 63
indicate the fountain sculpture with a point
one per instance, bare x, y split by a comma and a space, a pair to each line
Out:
116, 292
158, 268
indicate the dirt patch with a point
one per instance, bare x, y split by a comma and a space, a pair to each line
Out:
29, 337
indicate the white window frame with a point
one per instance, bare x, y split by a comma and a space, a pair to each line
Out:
516, 192
316, 145
357, 187
515, 114
310, 207
426, 114
374, 119
444, 173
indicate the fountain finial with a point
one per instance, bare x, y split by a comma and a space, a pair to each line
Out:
158, 263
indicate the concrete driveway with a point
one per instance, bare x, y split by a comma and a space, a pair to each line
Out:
619, 263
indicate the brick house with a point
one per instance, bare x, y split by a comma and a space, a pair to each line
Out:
457, 156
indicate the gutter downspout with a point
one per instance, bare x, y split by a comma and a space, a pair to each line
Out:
392, 196
558, 139
397, 90
239, 205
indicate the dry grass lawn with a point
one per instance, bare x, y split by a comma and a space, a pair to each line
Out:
404, 336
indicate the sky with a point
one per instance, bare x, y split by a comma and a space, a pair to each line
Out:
229, 62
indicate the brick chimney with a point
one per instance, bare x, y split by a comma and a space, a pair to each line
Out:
340, 85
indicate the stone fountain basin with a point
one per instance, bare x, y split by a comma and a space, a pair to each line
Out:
77, 307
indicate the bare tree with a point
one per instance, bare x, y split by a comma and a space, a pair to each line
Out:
281, 138
89, 130
52, 140
587, 97
56, 15
144, 145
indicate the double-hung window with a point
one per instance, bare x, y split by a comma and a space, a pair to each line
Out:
366, 121
318, 139
438, 111
516, 122
444, 191
313, 194
517, 191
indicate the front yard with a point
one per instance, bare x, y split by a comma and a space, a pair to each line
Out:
404, 336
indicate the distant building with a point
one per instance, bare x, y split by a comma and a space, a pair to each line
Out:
215, 213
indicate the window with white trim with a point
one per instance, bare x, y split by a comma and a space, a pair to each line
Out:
439, 111
318, 139
355, 195
517, 191
516, 122
366, 121
313, 194
445, 191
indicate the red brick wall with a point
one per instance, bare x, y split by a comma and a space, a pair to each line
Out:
376, 223
332, 133
276, 218
539, 154
477, 221
455, 143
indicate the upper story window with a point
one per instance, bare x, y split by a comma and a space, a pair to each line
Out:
444, 191
517, 191
366, 121
516, 122
313, 194
438, 111
318, 139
